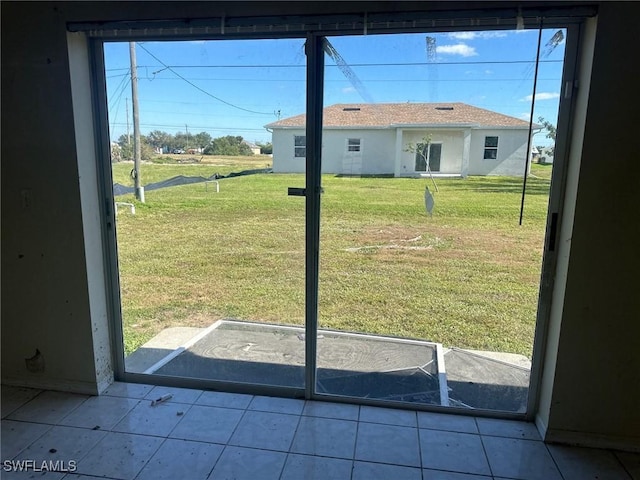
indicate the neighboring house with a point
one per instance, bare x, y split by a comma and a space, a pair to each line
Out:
254, 148
374, 139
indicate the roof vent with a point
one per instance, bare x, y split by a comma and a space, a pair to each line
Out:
351, 109
444, 108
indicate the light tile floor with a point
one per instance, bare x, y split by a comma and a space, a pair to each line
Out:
211, 435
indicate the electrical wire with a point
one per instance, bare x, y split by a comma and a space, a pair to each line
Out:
117, 102
399, 64
200, 89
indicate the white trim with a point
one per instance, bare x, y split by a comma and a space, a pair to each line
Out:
163, 361
397, 169
466, 153
442, 376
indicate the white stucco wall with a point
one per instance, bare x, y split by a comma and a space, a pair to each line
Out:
512, 147
452, 150
377, 150
284, 160
376, 146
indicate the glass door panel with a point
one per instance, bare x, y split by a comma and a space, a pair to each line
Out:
428, 286
212, 262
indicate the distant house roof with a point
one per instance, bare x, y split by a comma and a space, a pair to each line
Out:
380, 115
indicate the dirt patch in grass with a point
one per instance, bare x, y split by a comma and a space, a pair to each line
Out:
502, 248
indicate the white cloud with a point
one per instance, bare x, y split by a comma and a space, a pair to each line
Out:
348, 90
541, 96
488, 72
525, 116
474, 35
457, 49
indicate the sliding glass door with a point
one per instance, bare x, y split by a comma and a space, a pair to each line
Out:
359, 217
429, 286
212, 261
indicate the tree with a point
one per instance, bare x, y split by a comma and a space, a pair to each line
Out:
126, 148
265, 148
228, 145
201, 140
551, 132
160, 140
181, 141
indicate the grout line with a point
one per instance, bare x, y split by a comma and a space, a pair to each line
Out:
624, 467
553, 459
184, 414
484, 450
295, 433
150, 458
420, 449
355, 443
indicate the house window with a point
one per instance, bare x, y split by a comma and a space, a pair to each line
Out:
300, 146
490, 148
353, 145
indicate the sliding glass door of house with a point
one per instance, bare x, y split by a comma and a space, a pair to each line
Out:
212, 256
353, 217
428, 284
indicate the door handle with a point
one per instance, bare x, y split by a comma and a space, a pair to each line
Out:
299, 192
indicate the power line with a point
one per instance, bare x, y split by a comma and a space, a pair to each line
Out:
200, 89
399, 64
121, 87
395, 80
124, 83
208, 127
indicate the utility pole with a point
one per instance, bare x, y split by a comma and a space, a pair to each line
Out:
187, 130
136, 123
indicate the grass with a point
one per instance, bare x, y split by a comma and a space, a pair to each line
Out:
466, 277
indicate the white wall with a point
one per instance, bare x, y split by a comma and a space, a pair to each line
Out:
452, 150
512, 147
377, 149
284, 160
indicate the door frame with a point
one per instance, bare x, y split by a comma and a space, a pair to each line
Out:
314, 105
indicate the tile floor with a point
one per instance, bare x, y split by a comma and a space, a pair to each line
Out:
200, 435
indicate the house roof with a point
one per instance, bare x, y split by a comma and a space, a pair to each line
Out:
380, 115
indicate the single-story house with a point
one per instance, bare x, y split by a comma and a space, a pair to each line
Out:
255, 149
389, 139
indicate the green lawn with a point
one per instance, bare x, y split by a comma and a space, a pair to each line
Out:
466, 277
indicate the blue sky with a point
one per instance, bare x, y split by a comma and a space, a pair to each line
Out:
235, 87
